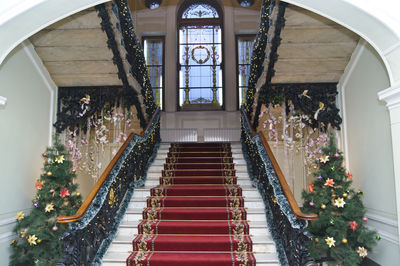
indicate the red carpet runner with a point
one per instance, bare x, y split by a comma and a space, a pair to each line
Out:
195, 217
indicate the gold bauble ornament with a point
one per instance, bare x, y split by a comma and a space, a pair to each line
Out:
78, 194
345, 195
39, 240
344, 241
323, 206
315, 167
49, 173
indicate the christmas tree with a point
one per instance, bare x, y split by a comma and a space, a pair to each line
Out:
339, 234
38, 234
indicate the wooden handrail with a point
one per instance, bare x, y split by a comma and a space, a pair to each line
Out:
285, 187
89, 199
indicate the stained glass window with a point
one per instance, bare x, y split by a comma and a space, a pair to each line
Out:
200, 11
200, 59
244, 50
153, 51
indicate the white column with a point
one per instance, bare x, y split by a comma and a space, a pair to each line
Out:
392, 98
230, 60
171, 87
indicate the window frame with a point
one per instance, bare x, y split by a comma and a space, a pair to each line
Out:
162, 38
237, 37
200, 22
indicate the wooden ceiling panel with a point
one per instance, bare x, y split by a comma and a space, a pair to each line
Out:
86, 79
326, 34
316, 50
310, 65
81, 37
306, 77
82, 20
296, 16
81, 67
72, 53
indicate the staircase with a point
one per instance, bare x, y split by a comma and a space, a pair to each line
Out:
262, 243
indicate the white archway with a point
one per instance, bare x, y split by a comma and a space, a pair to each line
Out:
23, 18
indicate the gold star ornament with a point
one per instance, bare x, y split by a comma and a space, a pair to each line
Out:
49, 207
60, 159
339, 202
330, 241
19, 216
32, 240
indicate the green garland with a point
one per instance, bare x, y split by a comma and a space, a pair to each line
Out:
258, 55
135, 55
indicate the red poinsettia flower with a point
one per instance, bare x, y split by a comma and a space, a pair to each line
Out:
64, 193
353, 225
349, 176
38, 185
310, 187
329, 182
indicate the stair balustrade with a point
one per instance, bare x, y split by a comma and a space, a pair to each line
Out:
286, 221
95, 224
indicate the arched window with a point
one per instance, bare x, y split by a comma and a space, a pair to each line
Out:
200, 55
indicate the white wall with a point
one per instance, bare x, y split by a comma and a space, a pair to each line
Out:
24, 135
367, 144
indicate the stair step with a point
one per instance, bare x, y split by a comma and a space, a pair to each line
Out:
131, 228
255, 202
252, 214
247, 191
263, 245
118, 259
260, 243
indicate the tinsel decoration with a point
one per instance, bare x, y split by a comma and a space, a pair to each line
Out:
134, 55
106, 26
258, 54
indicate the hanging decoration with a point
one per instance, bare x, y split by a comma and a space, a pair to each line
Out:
85, 242
95, 122
292, 130
315, 100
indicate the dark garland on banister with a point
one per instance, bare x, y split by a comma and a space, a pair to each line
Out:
112, 45
273, 55
70, 113
316, 100
258, 55
134, 53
